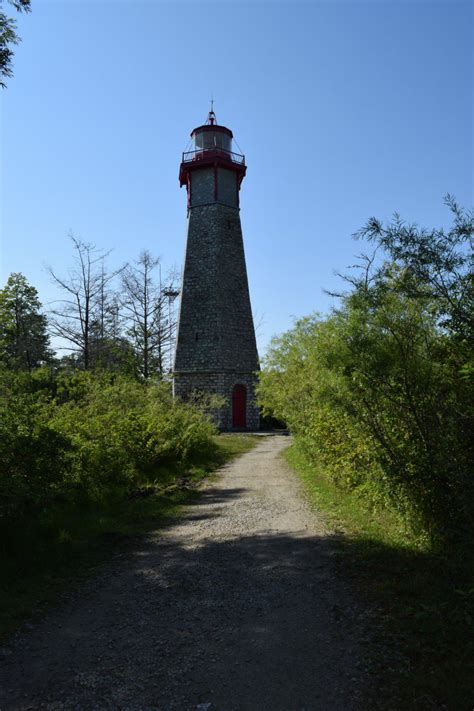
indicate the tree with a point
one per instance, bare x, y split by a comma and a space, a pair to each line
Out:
80, 319
24, 342
109, 348
380, 391
148, 313
438, 264
9, 37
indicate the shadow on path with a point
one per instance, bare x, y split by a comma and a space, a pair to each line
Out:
202, 614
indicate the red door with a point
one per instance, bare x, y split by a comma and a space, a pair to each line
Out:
239, 406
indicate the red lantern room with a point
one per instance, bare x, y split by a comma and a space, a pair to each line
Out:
211, 148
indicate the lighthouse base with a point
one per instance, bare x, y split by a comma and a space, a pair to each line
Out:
231, 395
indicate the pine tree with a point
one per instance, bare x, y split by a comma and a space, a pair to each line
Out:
24, 341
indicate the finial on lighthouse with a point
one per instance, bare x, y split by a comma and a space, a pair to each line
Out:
211, 119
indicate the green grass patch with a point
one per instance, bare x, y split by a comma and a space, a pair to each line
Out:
426, 599
347, 513
42, 558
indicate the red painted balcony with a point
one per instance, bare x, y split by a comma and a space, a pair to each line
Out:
203, 157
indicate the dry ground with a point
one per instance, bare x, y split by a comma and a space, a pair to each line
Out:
235, 605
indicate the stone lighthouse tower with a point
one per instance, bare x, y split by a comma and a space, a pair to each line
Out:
216, 351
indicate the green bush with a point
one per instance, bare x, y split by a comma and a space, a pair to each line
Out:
33, 455
377, 393
87, 436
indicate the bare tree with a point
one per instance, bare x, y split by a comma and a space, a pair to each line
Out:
80, 318
108, 346
149, 314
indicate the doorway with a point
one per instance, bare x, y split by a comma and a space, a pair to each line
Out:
239, 406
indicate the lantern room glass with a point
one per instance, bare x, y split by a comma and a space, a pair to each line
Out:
210, 140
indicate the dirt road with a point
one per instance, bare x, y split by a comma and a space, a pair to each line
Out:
235, 606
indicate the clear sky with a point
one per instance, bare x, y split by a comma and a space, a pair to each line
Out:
343, 109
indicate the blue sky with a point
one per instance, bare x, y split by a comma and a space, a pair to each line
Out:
343, 109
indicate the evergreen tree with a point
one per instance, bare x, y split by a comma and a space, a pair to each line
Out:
24, 341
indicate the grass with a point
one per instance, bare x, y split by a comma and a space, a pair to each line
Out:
424, 599
41, 559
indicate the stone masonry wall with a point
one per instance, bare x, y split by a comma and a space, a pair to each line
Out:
216, 346
227, 192
203, 187
186, 385
215, 323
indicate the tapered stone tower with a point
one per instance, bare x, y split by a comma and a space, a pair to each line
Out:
216, 351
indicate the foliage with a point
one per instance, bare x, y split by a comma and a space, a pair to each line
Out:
85, 437
439, 262
9, 37
128, 329
379, 393
421, 600
24, 342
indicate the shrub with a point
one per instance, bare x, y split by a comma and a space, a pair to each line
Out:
86, 437
376, 394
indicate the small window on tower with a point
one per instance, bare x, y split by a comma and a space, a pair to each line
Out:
197, 335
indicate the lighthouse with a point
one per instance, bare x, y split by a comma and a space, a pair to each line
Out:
216, 350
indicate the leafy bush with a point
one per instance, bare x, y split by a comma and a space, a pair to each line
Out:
83, 437
33, 455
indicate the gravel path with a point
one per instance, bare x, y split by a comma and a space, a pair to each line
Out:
235, 606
